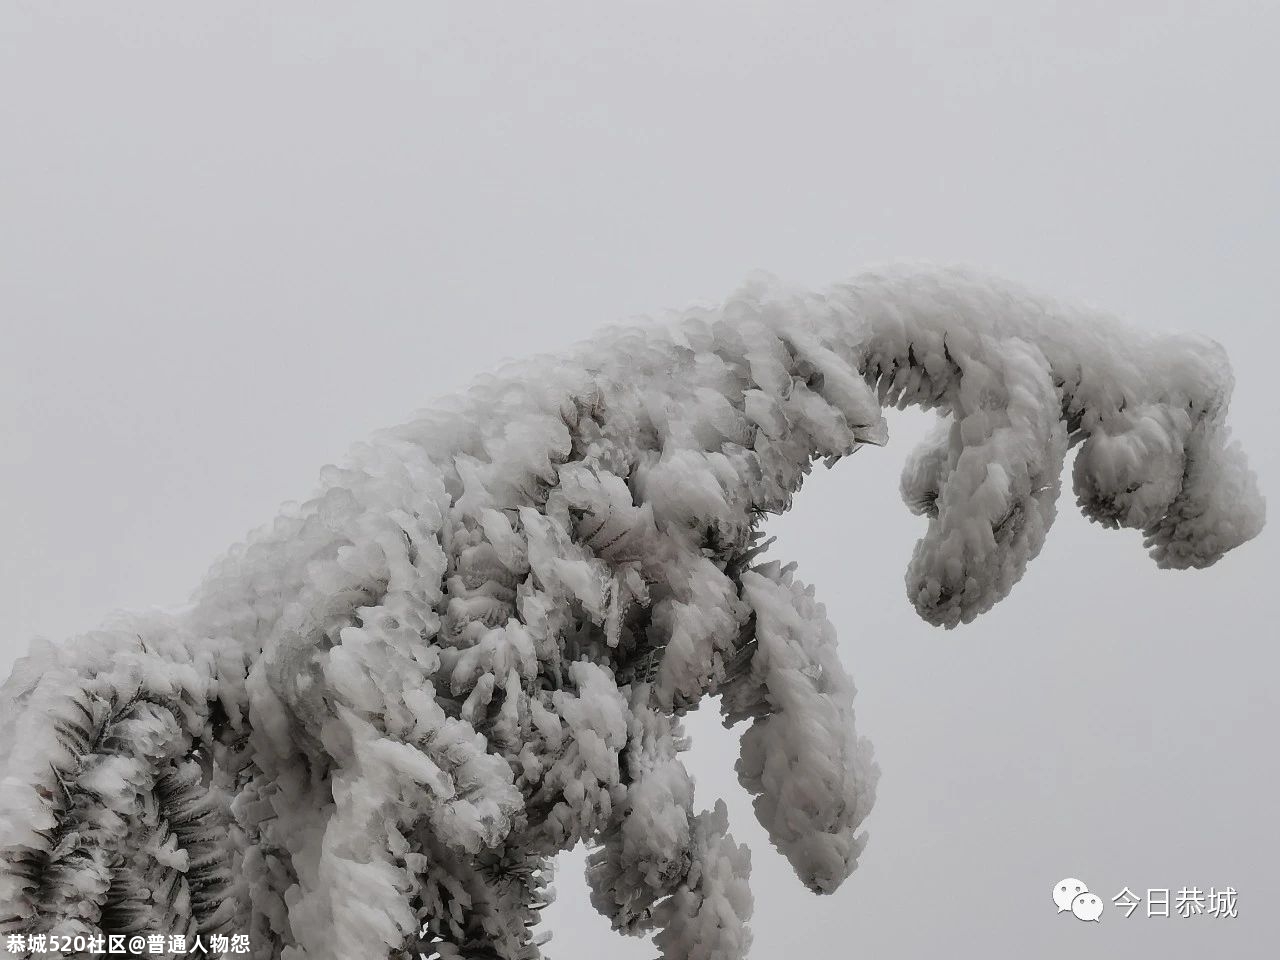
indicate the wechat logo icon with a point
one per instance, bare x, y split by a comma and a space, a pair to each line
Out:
1073, 895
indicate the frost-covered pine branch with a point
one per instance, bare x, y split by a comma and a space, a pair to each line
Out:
383, 716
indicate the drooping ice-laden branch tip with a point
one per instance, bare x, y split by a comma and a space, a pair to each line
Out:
380, 719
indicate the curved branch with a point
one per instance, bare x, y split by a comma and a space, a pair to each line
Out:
470, 650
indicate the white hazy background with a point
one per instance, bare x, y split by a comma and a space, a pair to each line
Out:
236, 237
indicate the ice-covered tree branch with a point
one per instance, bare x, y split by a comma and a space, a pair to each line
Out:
380, 719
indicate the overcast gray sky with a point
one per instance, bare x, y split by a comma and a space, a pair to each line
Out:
236, 237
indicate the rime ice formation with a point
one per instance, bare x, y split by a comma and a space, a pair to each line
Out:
382, 716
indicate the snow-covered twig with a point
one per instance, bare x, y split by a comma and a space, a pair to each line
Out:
383, 715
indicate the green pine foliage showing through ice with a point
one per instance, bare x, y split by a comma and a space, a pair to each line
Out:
382, 716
